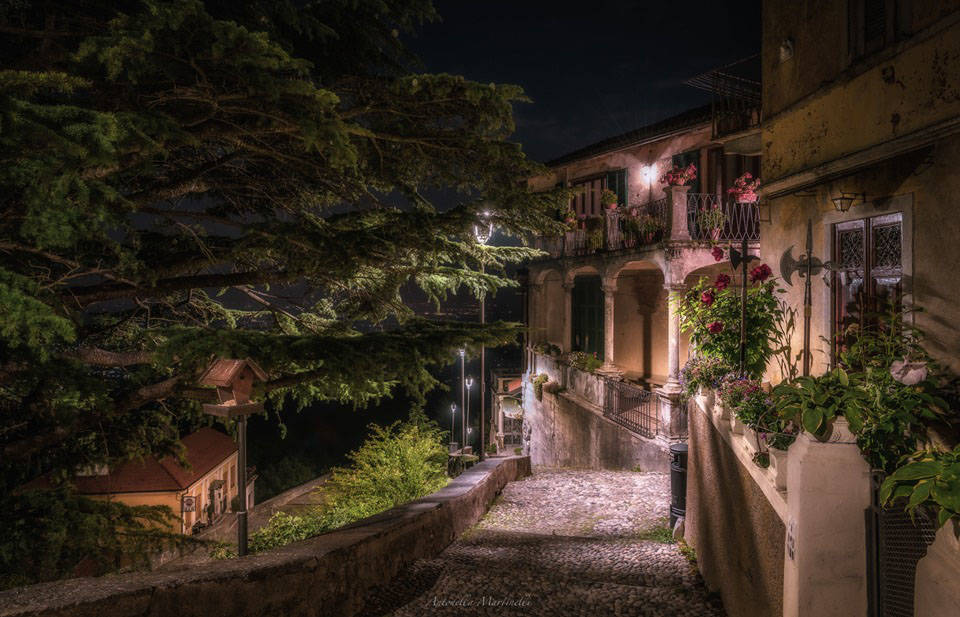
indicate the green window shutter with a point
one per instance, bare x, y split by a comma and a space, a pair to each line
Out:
587, 334
617, 182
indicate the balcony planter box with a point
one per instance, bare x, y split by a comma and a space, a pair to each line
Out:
723, 413
778, 468
838, 431
749, 438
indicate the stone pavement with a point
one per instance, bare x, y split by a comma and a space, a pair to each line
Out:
561, 542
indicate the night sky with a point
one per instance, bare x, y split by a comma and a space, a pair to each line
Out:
593, 69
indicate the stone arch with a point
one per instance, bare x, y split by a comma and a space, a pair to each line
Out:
541, 275
572, 273
640, 335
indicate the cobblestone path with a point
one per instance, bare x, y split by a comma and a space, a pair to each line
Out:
561, 542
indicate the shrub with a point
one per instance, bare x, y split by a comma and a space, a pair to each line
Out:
396, 464
518, 451
538, 382
710, 312
584, 361
703, 371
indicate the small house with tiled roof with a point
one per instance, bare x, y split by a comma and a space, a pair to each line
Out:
200, 494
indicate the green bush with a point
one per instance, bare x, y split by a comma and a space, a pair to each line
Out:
538, 382
396, 464
584, 361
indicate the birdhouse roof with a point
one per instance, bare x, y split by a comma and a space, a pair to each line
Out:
223, 371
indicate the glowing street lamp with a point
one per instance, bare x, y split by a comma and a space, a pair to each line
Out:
463, 394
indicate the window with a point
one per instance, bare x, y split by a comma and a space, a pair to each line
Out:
868, 277
587, 315
586, 199
874, 24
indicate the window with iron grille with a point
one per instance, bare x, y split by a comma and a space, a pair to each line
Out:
868, 278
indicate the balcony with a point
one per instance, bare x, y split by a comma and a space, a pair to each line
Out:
616, 234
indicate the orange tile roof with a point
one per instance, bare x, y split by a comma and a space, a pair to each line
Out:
205, 449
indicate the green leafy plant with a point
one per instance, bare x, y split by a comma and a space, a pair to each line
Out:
395, 465
703, 372
518, 451
538, 382
595, 239
710, 312
813, 402
584, 361
608, 197
547, 349
928, 478
711, 218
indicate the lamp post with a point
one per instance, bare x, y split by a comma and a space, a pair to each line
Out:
466, 412
453, 422
463, 394
483, 233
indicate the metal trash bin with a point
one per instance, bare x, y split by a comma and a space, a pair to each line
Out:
678, 482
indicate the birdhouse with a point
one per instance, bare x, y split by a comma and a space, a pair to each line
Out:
234, 381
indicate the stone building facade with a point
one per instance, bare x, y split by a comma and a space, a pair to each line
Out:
609, 292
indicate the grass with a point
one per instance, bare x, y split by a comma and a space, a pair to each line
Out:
660, 532
687, 551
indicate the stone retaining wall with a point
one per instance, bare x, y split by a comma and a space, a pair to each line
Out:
327, 575
738, 535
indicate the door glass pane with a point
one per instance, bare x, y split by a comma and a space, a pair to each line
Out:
587, 335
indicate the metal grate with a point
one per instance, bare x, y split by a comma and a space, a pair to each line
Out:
886, 246
631, 407
850, 249
743, 219
900, 542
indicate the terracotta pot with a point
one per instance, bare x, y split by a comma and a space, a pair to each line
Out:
648, 237
715, 234
610, 206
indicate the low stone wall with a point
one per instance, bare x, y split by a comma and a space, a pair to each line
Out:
566, 430
737, 534
327, 575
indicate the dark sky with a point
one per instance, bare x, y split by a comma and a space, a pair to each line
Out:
594, 68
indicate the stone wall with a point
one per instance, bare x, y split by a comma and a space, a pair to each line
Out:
327, 575
566, 430
738, 536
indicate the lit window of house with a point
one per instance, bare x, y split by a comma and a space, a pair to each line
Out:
587, 191
868, 254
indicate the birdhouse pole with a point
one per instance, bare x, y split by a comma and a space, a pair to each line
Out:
234, 381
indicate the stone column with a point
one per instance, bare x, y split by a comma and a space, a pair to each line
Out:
678, 212
674, 294
534, 306
609, 298
669, 394
567, 317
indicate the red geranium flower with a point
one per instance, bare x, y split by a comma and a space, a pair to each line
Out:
760, 273
722, 282
707, 298
716, 327
717, 253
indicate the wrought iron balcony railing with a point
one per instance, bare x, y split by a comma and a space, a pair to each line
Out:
741, 220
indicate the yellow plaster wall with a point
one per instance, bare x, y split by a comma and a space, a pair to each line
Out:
914, 89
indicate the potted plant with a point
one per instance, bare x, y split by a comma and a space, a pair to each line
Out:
713, 219
679, 176
609, 199
744, 189
569, 218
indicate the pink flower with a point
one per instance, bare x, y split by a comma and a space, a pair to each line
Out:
717, 253
707, 298
722, 282
716, 327
760, 273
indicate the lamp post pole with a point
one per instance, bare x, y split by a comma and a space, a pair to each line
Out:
453, 422
466, 412
483, 234
463, 392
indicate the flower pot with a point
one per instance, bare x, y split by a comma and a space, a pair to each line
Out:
648, 237
724, 411
778, 468
749, 440
705, 397
610, 206
838, 431
736, 426
715, 234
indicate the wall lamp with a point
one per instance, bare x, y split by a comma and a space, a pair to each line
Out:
845, 200
649, 173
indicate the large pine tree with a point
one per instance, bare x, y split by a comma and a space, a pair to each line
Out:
181, 180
